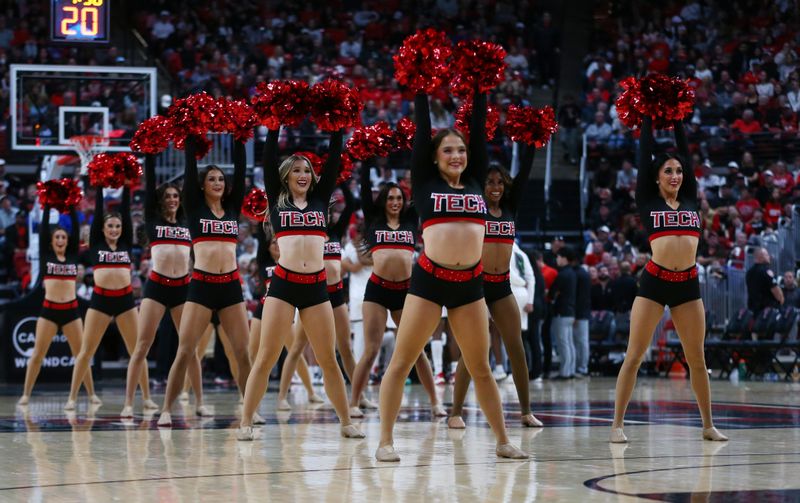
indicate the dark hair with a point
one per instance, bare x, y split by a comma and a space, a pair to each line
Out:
567, 253
504, 176
213, 167
112, 214
661, 159
383, 196
440, 135
161, 191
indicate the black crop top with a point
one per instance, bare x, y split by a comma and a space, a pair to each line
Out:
378, 235
657, 217
434, 199
50, 267
503, 229
203, 224
291, 220
103, 257
160, 231
333, 246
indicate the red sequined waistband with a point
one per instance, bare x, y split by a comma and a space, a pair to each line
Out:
671, 276
453, 275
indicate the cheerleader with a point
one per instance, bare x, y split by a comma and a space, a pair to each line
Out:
448, 195
666, 195
332, 260
58, 265
110, 241
502, 195
390, 236
267, 256
168, 282
212, 207
298, 206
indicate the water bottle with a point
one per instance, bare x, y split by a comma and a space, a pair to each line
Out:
742, 370
734, 376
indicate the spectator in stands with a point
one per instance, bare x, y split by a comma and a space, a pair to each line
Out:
791, 294
7, 216
163, 27
762, 285
549, 274
747, 124
782, 180
623, 289
626, 179
773, 209
562, 298
547, 41
708, 182
601, 293
583, 311
16, 245
747, 205
598, 132
550, 255
757, 224
595, 254
793, 95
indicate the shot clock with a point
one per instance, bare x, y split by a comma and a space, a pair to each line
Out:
80, 20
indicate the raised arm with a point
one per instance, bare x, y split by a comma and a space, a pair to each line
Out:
74, 245
421, 162
44, 235
263, 246
367, 204
96, 230
688, 191
151, 211
521, 180
330, 170
236, 197
645, 180
340, 227
125, 211
191, 191
272, 179
478, 162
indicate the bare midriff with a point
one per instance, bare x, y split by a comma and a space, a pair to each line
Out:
676, 253
455, 245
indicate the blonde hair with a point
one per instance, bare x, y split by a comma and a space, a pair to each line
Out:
283, 173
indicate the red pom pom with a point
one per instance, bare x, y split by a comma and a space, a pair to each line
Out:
281, 103
153, 135
237, 118
404, 134
478, 63
422, 62
255, 205
464, 116
202, 145
63, 194
114, 170
194, 115
316, 161
346, 169
530, 125
376, 140
662, 98
334, 105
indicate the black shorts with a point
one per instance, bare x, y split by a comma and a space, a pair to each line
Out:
298, 289
336, 294
447, 287
496, 287
112, 302
669, 292
260, 309
60, 313
215, 291
389, 294
169, 292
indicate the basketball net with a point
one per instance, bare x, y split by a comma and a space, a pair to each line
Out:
87, 146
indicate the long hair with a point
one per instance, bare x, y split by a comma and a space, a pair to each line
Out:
661, 159
504, 177
201, 179
283, 172
440, 135
112, 214
383, 196
161, 191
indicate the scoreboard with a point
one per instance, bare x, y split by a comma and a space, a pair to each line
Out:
80, 20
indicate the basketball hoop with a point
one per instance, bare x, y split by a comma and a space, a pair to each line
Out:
87, 146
